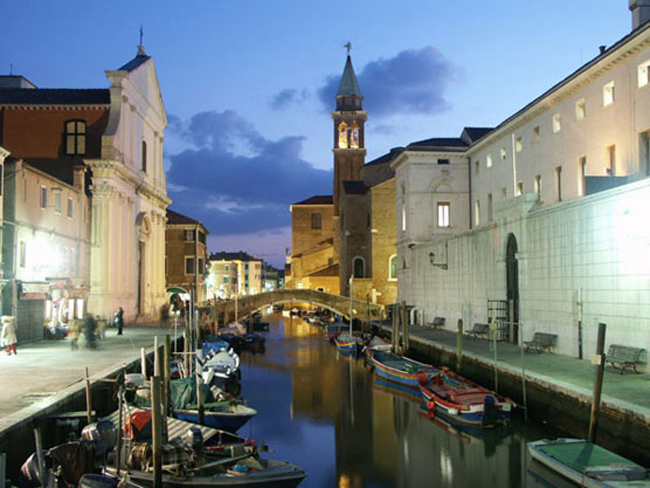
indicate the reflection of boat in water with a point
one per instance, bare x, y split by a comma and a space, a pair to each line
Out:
397, 389
588, 464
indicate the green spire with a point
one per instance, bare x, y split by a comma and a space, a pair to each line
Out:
349, 84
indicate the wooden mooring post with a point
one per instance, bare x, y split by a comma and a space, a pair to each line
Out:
598, 382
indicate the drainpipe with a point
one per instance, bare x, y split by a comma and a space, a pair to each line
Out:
471, 194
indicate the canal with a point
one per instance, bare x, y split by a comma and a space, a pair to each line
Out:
330, 414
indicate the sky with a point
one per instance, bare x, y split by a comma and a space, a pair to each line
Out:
248, 85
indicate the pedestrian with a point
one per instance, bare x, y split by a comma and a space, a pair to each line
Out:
9, 338
119, 320
73, 333
90, 326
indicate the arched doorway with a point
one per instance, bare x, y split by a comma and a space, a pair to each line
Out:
143, 230
512, 287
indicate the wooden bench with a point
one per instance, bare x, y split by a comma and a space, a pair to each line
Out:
438, 323
625, 357
542, 341
479, 330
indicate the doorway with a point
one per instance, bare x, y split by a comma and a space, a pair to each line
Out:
512, 286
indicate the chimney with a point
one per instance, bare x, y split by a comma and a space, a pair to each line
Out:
640, 12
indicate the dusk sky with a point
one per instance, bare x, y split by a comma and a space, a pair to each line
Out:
249, 85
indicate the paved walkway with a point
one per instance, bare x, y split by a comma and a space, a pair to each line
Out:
44, 372
629, 392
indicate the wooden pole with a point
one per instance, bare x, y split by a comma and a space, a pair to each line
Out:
459, 345
598, 383
156, 415
199, 398
39, 457
120, 434
395, 338
166, 375
156, 357
143, 362
89, 400
404, 320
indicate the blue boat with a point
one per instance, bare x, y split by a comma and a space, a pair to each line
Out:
228, 417
399, 369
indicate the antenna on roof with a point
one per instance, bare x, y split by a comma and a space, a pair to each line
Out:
348, 46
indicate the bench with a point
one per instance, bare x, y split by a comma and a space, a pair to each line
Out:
438, 323
625, 357
479, 330
542, 341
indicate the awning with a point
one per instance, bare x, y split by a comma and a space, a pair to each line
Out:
177, 290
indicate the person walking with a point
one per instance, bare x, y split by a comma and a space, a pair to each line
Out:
90, 326
119, 320
9, 338
73, 333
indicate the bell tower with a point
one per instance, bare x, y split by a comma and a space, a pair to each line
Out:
349, 141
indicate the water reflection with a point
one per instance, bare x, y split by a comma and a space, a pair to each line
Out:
347, 428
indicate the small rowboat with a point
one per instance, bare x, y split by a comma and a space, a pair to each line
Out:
350, 343
588, 464
399, 369
450, 394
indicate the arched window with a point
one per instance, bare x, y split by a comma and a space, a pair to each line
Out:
359, 267
75, 137
392, 267
343, 135
354, 136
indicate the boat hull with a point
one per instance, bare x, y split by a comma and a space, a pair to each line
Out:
459, 399
228, 421
399, 369
580, 461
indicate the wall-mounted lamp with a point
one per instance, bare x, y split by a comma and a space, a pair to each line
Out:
432, 261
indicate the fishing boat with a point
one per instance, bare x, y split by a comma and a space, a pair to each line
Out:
334, 329
450, 394
376, 343
221, 410
399, 369
220, 366
347, 342
588, 464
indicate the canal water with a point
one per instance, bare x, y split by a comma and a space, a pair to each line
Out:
330, 414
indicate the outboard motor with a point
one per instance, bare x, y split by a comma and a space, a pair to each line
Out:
194, 439
490, 411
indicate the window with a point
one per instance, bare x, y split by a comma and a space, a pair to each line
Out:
503, 153
343, 135
201, 270
582, 171
359, 267
443, 214
558, 183
477, 212
557, 123
443, 161
520, 188
43, 197
536, 136
189, 266
316, 221
201, 237
504, 193
488, 160
392, 267
489, 207
75, 137
477, 167
581, 109
70, 208
519, 144
22, 254
57, 202
644, 152
144, 156
226, 279
189, 235
642, 74
537, 185
403, 217
611, 154
608, 93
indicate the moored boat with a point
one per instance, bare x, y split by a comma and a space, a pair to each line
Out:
399, 368
228, 416
588, 464
347, 342
450, 394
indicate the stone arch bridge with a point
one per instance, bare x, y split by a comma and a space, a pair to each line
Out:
224, 310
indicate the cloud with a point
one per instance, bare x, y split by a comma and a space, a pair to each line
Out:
412, 82
234, 180
287, 97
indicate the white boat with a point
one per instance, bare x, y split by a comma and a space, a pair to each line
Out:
588, 464
223, 364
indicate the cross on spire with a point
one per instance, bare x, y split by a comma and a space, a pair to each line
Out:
348, 46
141, 34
